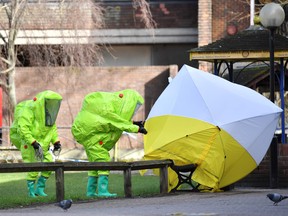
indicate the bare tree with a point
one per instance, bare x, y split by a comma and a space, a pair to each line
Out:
146, 15
14, 11
26, 20
52, 33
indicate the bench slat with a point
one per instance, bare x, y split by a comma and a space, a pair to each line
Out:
72, 166
150, 164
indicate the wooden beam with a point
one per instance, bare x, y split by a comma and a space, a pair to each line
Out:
239, 55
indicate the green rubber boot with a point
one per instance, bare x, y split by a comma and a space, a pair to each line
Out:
30, 185
103, 187
41, 186
91, 186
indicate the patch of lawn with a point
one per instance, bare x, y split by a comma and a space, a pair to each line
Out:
14, 193
8, 177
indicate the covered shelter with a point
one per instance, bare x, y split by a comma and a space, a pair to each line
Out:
250, 48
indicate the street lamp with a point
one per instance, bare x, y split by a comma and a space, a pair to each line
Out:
272, 16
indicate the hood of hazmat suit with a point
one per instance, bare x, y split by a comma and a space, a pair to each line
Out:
35, 119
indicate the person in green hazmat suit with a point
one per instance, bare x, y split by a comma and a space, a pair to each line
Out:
33, 131
98, 126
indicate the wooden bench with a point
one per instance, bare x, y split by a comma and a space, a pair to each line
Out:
61, 167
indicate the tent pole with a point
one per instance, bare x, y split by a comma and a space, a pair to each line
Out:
231, 75
282, 91
216, 72
274, 143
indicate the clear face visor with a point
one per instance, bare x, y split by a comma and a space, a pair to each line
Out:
138, 105
52, 107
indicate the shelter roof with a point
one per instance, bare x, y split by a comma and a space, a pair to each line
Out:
247, 45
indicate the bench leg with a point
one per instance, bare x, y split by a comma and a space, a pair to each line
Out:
164, 180
127, 183
186, 179
59, 178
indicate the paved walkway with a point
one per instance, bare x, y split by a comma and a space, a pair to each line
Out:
236, 202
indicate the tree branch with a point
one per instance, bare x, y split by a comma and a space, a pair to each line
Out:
5, 60
146, 15
1, 36
3, 84
11, 66
18, 13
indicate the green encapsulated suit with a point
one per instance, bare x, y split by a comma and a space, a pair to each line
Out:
98, 126
101, 121
34, 120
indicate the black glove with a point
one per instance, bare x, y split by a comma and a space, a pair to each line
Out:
36, 145
38, 151
57, 146
139, 123
142, 130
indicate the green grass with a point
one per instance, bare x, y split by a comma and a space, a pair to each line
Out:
14, 193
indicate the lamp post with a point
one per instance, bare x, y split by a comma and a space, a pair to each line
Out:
272, 16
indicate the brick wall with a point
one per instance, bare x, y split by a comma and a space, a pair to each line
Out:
260, 177
215, 17
204, 29
229, 12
